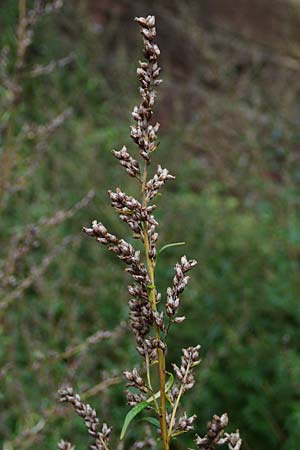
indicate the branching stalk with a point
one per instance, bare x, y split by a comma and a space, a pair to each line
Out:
149, 324
152, 300
177, 402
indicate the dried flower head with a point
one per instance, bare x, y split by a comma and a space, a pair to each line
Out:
88, 414
148, 321
63, 445
216, 435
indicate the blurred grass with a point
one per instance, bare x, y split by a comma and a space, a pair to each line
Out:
230, 134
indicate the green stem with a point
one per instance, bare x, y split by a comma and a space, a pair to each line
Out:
161, 354
172, 421
150, 384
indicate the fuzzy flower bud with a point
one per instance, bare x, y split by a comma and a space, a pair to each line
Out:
63, 445
159, 179
130, 164
180, 281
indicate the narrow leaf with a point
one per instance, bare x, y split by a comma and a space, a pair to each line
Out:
174, 244
170, 381
169, 400
168, 386
152, 420
131, 415
141, 406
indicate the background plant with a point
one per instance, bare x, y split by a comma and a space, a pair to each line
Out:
237, 190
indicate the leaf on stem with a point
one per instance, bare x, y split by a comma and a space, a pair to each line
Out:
174, 244
152, 420
131, 415
141, 406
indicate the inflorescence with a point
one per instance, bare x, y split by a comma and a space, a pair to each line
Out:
149, 318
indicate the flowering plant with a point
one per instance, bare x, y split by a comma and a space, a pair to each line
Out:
150, 318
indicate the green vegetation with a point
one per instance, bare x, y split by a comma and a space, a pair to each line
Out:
230, 136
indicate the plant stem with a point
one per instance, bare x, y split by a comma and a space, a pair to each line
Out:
173, 416
161, 354
150, 384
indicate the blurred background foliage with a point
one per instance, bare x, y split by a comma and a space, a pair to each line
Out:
229, 113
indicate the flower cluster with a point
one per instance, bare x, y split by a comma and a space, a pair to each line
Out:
141, 314
184, 373
180, 281
63, 445
182, 425
216, 435
130, 164
186, 423
133, 398
143, 133
149, 324
88, 414
141, 317
132, 212
159, 179
99, 231
122, 249
134, 379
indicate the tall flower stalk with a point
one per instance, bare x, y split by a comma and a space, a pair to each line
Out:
150, 317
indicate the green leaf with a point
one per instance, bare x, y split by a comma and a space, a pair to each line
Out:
170, 381
168, 386
152, 420
174, 244
141, 406
131, 415
169, 400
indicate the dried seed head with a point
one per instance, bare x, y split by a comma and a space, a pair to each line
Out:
179, 319
88, 414
132, 212
159, 179
135, 380
123, 250
143, 133
130, 164
184, 373
234, 440
153, 343
215, 435
185, 423
134, 399
174, 392
99, 231
159, 320
153, 237
64, 445
141, 315
124, 203
179, 283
